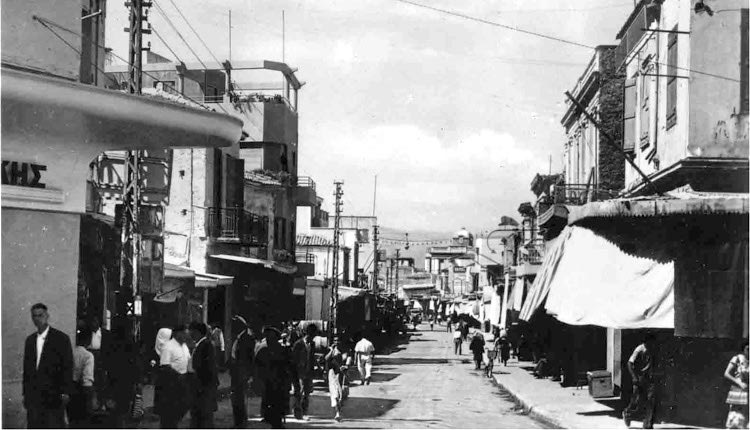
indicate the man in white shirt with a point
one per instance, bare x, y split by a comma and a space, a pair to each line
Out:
79, 408
364, 353
174, 361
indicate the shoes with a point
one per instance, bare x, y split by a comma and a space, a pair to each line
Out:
337, 418
626, 419
367, 380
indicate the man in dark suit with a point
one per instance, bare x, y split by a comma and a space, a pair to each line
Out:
243, 353
206, 380
47, 373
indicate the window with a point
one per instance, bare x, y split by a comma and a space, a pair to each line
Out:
628, 123
644, 113
672, 78
164, 85
744, 64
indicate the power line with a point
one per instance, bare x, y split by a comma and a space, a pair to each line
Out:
174, 27
600, 7
194, 32
167, 45
47, 23
554, 38
496, 24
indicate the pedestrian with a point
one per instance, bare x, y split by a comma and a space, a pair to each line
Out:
364, 353
737, 374
122, 368
47, 372
99, 346
641, 366
162, 337
457, 341
490, 351
477, 348
303, 359
273, 367
242, 355
504, 351
175, 357
217, 340
80, 407
464, 329
335, 362
206, 378
449, 324
432, 321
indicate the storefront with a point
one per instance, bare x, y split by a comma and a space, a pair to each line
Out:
52, 130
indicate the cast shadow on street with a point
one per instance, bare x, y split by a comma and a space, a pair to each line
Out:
355, 408
405, 361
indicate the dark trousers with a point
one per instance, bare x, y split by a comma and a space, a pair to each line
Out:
644, 395
457, 343
174, 399
478, 360
449, 327
78, 414
201, 417
302, 389
45, 418
239, 406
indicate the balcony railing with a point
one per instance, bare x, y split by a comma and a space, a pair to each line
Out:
631, 36
236, 223
532, 253
305, 257
576, 194
306, 182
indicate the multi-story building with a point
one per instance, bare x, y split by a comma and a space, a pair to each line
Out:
686, 96
452, 264
56, 120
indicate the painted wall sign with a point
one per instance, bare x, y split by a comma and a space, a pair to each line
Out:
22, 174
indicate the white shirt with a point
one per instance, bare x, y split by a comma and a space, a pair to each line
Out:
364, 347
96, 340
40, 339
175, 356
83, 366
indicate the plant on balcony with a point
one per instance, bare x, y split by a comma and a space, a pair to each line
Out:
285, 178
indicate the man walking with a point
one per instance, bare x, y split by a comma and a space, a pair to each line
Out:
457, 341
174, 366
364, 353
243, 353
99, 347
273, 365
47, 372
206, 378
303, 358
641, 366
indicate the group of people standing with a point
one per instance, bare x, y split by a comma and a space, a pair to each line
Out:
99, 378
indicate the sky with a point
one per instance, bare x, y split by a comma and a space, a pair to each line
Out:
455, 117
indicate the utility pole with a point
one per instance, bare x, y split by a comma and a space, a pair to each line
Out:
131, 193
338, 194
375, 232
398, 255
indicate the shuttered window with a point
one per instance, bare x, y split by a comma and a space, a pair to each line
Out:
672, 78
644, 113
628, 123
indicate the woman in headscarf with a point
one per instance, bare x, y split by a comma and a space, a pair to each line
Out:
162, 337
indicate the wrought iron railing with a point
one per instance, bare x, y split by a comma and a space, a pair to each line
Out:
306, 182
237, 223
305, 257
576, 194
532, 252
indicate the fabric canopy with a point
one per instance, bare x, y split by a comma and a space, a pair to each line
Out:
590, 281
539, 289
515, 299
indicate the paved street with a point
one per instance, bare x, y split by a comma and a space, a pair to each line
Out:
420, 384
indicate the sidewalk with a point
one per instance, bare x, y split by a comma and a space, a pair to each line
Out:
561, 407
148, 391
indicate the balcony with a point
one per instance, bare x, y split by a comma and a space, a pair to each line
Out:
304, 193
532, 252
305, 263
631, 33
237, 225
552, 210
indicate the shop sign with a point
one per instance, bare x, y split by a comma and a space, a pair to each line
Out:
23, 174
459, 270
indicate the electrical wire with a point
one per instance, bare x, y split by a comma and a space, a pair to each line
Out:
194, 32
174, 27
47, 23
166, 44
546, 36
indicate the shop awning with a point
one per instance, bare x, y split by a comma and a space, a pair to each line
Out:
515, 299
673, 203
281, 268
178, 272
209, 280
588, 280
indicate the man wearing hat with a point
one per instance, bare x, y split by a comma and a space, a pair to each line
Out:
241, 368
303, 357
273, 368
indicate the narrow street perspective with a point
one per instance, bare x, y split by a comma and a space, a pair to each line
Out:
375, 214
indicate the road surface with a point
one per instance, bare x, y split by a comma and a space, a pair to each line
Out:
419, 384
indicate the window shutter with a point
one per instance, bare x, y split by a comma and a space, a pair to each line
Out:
744, 63
628, 141
671, 78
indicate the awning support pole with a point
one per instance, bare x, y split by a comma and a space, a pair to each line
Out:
612, 142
